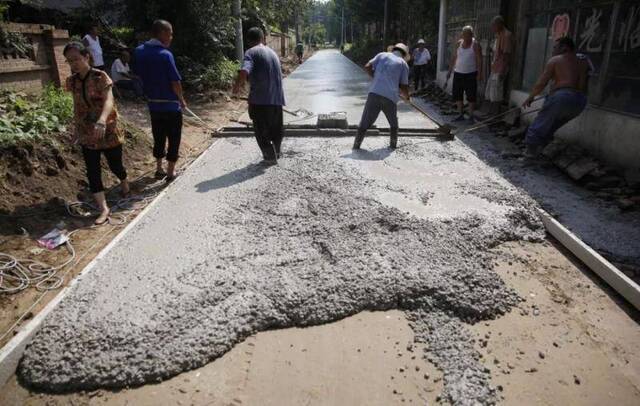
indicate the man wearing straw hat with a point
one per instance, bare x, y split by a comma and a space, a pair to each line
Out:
390, 74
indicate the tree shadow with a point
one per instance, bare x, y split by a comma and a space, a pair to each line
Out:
232, 178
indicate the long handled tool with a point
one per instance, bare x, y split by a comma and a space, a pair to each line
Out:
448, 132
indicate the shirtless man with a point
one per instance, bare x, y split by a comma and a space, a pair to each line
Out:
566, 100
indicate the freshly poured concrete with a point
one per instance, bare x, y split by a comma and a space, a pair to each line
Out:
235, 247
329, 82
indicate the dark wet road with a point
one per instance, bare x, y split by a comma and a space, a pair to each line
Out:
329, 82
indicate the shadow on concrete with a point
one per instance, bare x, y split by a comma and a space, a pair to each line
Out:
379, 154
232, 178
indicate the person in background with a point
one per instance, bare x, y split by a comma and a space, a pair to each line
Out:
390, 74
162, 84
299, 51
466, 63
122, 76
568, 73
261, 66
499, 64
92, 42
95, 123
421, 58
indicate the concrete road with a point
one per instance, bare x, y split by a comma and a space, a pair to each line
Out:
329, 82
234, 248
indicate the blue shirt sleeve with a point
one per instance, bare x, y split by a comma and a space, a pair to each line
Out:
172, 70
374, 61
404, 78
247, 63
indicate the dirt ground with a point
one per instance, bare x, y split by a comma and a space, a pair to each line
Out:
36, 182
37, 204
572, 341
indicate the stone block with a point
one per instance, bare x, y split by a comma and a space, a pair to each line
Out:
337, 119
581, 168
568, 156
554, 149
632, 176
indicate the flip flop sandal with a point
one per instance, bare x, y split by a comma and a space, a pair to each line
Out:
160, 175
106, 219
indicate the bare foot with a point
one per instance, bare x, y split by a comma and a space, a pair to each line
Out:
103, 217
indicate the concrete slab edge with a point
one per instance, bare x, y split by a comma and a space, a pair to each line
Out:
620, 282
11, 353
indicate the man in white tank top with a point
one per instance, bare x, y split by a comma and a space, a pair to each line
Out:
92, 42
466, 63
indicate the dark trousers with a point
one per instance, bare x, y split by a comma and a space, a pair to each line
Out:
465, 83
420, 73
166, 127
559, 108
372, 108
94, 170
268, 128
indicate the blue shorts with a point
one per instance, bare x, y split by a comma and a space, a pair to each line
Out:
559, 108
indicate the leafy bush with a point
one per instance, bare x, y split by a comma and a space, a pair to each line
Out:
126, 35
218, 75
23, 120
57, 102
361, 52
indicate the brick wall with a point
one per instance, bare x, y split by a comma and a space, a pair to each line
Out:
45, 63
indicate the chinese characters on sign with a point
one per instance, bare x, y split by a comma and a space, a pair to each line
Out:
590, 33
629, 34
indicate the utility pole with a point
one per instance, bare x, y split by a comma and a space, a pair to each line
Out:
386, 23
237, 7
351, 29
342, 28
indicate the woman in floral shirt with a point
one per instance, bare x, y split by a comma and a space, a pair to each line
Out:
96, 123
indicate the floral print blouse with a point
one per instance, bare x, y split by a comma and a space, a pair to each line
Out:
89, 96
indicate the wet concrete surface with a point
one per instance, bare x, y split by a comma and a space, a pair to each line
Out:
599, 223
329, 82
235, 247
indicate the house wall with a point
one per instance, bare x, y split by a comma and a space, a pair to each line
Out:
45, 64
610, 127
274, 40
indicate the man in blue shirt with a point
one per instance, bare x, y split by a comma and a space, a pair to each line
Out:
261, 66
390, 74
154, 64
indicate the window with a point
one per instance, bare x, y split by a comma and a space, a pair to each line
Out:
622, 79
534, 57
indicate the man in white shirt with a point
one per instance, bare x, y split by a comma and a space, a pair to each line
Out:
122, 76
92, 42
421, 57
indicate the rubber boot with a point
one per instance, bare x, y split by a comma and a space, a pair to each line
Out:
393, 141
